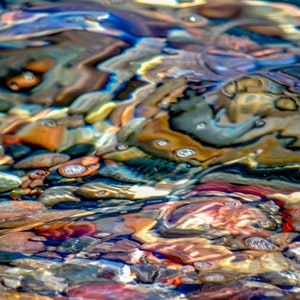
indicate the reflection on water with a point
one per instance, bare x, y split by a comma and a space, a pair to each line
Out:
150, 150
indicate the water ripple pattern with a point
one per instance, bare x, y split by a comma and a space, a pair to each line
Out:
149, 149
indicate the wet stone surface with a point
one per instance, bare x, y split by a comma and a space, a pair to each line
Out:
149, 150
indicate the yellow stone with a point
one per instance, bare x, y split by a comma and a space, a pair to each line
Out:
100, 113
293, 198
125, 155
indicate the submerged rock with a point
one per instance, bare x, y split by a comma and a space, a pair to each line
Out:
8, 182
149, 150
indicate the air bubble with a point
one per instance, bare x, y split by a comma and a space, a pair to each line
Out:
201, 125
14, 86
193, 19
230, 203
101, 192
161, 142
260, 123
50, 123
28, 76
185, 152
122, 147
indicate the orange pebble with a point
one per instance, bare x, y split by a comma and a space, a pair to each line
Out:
221, 10
11, 139
40, 65
44, 133
127, 115
140, 224
79, 167
62, 230
35, 183
25, 80
175, 280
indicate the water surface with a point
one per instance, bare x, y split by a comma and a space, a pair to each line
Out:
150, 150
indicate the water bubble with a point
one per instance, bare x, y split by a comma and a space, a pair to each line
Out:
101, 234
161, 142
185, 152
121, 147
260, 123
101, 192
193, 19
14, 86
200, 125
28, 75
230, 203
93, 166
50, 123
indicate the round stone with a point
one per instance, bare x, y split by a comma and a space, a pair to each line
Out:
9, 181
17, 151
202, 265
259, 243
80, 149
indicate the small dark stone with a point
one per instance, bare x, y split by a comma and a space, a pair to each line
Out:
5, 105
17, 151
146, 272
5, 167
6, 257
74, 245
283, 278
77, 274
53, 178
38, 152
80, 150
